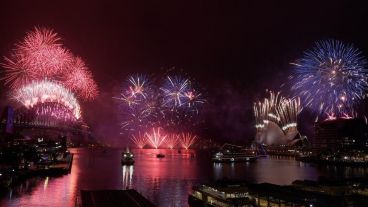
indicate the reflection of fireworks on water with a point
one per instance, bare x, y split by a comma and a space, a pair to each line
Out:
45, 92
139, 140
155, 138
38, 56
330, 77
171, 141
187, 140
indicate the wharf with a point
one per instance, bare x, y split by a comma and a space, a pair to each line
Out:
113, 198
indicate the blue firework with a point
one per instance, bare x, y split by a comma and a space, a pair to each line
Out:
174, 91
331, 77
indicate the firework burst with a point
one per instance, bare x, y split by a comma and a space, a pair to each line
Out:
40, 92
171, 141
144, 104
330, 77
155, 138
139, 140
138, 104
41, 56
38, 56
174, 90
276, 118
187, 140
80, 80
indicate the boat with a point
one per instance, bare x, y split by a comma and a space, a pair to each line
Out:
160, 155
232, 153
232, 157
127, 158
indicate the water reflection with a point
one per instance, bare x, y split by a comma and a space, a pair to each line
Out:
127, 176
166, 181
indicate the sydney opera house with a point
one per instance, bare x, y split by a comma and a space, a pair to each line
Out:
276, 120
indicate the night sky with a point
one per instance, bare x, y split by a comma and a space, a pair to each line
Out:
234, 49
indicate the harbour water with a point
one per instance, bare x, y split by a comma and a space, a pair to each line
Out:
166, 181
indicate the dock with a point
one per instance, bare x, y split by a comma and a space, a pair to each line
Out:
113, 198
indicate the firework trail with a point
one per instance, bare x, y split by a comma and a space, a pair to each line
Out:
40, 92
155, 139
38, 56
80, 80
173, 105
276, 118
138, 104
46, 78
41, 56
187, 140
266, 111
181, 102
139, 140
331, 77
171, 140
135, 91
288, 111
174, 90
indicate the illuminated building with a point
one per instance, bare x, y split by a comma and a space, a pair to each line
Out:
341, 134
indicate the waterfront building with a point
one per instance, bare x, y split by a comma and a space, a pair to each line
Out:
341, 133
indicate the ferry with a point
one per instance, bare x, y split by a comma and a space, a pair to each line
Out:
127, 158
232, 153
230, 157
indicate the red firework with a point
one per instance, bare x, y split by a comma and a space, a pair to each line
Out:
171, 141
156, 139
38, 56
80, 80
187, 140
139, 140
41, 56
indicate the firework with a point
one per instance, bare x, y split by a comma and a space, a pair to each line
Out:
187, 140
41, 56
171, 141
276, 118
55, 111
80, 80
144, 104
139, 140
135, 91
138, 104
331, 77
288, 111
52, 114
181, 102
39, 92
174, 91
266, 111
194, 99
38, 56
155, 139
138, 87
